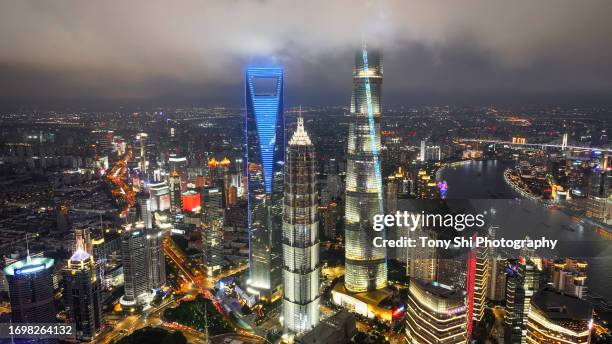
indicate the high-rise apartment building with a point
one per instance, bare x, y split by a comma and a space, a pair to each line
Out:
366, 265
264, 155
300, 236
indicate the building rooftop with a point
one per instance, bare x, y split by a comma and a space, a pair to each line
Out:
562, 307
79, 256
440, 290
28, 265
374, 297
300, 136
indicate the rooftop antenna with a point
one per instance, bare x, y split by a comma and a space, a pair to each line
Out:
27, 248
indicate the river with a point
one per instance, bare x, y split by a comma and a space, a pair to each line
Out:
481, 183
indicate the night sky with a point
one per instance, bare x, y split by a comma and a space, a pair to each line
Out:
194, 52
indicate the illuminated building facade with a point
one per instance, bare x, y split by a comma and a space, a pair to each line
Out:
82, 286
160, 196
497, 282
133, 256
569, 277
436, 313
179, 165
556, 318
144, 208
481, 283
599, 201
423, 260
264, 155
521, 286
155, 259
31, 290
300, 236
175, 192
366, 266
191, 201
212, 244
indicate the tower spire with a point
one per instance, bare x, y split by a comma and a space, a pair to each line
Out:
300, 136
27, 248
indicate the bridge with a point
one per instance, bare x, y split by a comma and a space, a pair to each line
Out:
539, 145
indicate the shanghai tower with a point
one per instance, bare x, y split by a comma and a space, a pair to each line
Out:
366, 266
300, 235
265, 153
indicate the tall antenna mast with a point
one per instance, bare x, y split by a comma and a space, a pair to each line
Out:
27, 248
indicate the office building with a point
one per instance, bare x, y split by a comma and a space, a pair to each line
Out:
133, 256
144, 209
300, 235
422, 260
176, 201
436, 313
569, 277
155, 259
212, 244
159, 196
264, 155
82, 286
520, 287
366, 265
31, 290
555, 318
481, 282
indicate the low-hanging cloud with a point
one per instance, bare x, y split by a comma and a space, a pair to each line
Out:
197, 49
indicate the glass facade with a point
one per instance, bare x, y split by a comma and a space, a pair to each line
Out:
264, 158
366, 267
436, 313
300, 236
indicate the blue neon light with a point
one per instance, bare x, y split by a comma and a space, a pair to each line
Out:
266, 108
29, 269
364, 53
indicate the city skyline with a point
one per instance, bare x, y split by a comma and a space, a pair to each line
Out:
233, 172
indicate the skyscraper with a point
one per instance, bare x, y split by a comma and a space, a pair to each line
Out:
569, 277
264, 155
31, 290
436, 313
481, 282
300, 236
155, 260
82, 293
176, 202
366, 267
520, 288
133, 256
557, 318
422, 260
212, 245
144, 208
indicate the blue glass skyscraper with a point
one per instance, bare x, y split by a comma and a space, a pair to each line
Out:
264, 158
